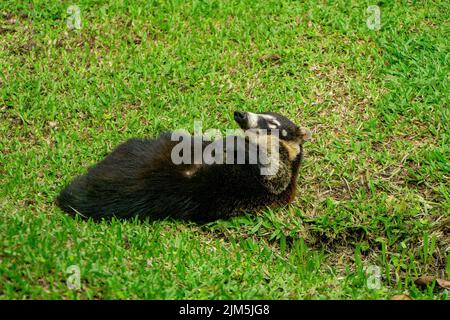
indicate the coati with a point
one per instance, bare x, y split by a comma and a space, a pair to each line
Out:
139, 177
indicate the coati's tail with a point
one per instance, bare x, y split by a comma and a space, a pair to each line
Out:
72, 198
135, 179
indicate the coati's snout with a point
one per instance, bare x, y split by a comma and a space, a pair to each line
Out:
271, 121
241, 118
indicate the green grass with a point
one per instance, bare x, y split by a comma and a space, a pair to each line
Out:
373, 189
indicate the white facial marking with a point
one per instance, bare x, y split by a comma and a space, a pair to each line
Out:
270, 118
252, 120
284, 133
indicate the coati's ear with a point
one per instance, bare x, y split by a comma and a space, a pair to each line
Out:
305, 134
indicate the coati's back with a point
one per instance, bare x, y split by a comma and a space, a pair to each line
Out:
139, 178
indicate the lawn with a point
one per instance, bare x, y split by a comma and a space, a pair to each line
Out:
372, 212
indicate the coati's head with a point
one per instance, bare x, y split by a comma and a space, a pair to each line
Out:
291, 135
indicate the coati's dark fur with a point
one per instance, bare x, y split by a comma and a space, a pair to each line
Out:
139, 178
